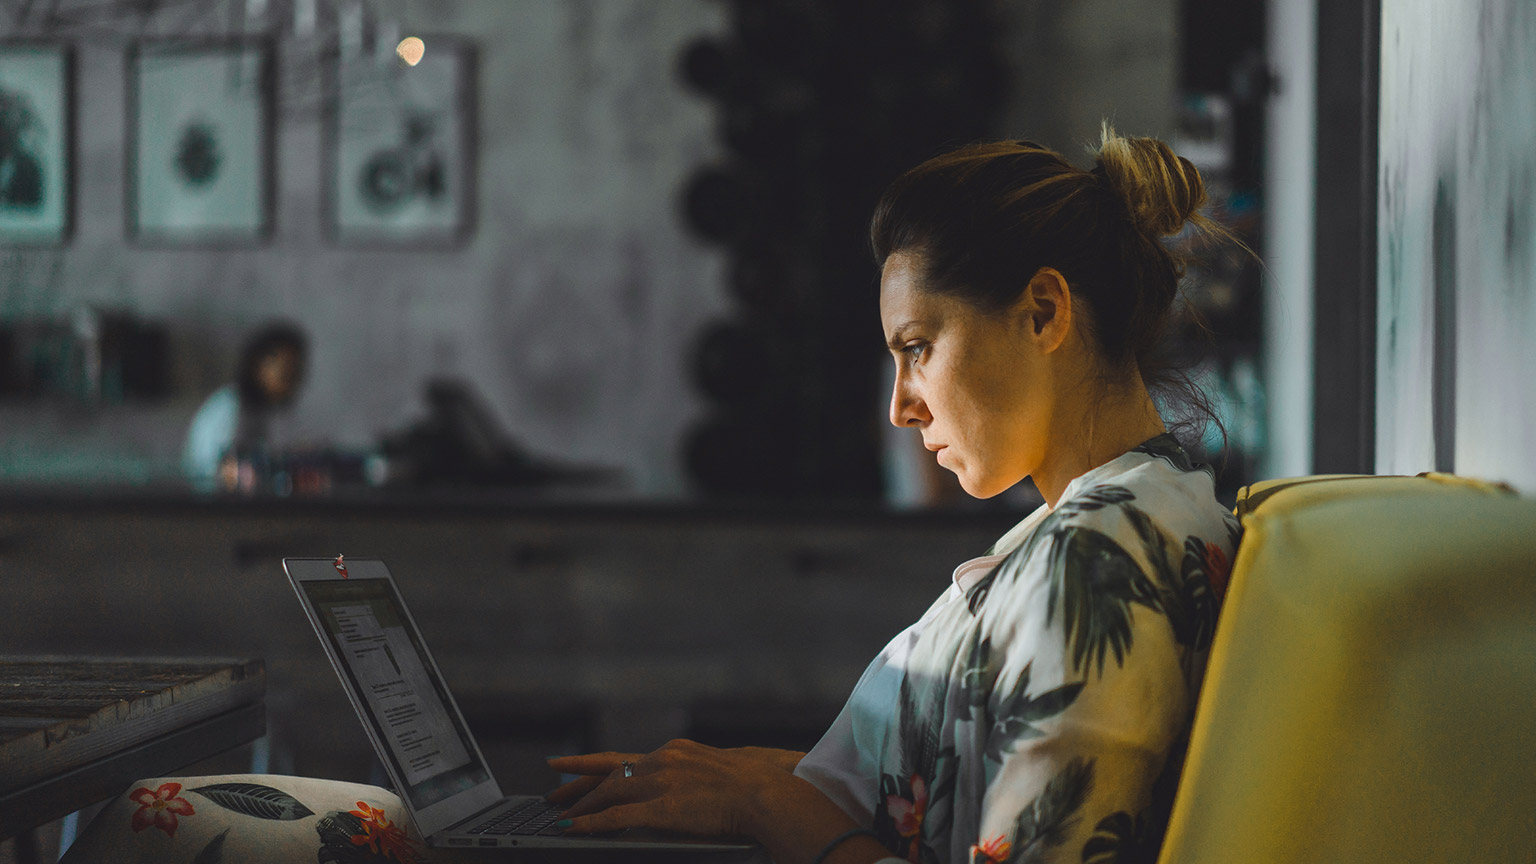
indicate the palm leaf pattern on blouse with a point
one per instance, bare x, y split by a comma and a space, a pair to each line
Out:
978, 679
922, 705
1121, 838
1184, 593
1092, 498
927, 772
1094, 581
1018, 712
1046, 821
1165, 446
1015, 713
1194, 594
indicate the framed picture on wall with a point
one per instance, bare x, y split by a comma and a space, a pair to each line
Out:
400, 146
199, 154
36, 142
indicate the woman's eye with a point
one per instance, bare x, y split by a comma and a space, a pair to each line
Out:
915, 351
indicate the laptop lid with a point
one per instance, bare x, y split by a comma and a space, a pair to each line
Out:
396, 689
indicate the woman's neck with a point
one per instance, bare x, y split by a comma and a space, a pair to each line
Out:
1100, 429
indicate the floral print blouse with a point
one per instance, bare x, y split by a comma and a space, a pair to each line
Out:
1037, 711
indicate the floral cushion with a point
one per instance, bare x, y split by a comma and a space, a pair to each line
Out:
250, 818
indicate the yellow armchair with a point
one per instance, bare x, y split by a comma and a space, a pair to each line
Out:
1371, 694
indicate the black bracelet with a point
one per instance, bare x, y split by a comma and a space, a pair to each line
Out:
827, 849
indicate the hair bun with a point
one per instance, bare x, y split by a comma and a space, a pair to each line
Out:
1162, 189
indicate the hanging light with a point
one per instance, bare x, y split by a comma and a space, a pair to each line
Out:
411, 50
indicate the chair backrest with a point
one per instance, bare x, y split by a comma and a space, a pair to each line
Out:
1371, 693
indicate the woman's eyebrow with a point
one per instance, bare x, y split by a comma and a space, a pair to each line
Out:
898, 335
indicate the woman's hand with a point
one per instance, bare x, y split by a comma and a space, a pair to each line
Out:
684, 786
694, 789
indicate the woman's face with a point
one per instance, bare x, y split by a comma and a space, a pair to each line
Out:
973, 383
278, 373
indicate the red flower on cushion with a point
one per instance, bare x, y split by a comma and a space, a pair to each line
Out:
1217, 569
159, 807
382, 836
994, 851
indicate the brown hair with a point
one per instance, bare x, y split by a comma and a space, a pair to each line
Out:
986, 217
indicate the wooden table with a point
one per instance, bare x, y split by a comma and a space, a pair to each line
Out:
75, 731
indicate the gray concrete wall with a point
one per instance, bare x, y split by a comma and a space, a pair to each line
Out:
573, 304
1077, 62
1457, 254
569, 307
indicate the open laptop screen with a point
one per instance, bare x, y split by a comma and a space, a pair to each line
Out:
407, 704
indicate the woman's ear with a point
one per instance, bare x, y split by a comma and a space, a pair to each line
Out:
1044, 311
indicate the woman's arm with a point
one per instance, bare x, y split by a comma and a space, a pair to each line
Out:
689, 787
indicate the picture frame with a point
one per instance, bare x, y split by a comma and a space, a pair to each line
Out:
37, 142
400, 147
200, 156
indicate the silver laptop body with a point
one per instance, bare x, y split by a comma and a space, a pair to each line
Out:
415, 726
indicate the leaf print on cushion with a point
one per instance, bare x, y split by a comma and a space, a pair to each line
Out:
1122, 839
1047, 820
159, 807
1018, 712
381, 835
1093, 581
213, 853
253, 799
360, 837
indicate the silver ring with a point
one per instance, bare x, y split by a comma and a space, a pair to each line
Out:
628, 766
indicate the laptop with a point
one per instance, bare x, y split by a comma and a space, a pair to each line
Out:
416, 728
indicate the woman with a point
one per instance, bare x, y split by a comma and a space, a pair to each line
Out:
1036, 711
235, 417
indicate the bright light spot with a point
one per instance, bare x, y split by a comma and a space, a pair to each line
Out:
411, 50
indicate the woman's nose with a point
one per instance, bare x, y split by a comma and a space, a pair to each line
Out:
907, 408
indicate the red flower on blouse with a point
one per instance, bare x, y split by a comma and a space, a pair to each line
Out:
908, 815
994, 851
159, 807
382, 836
1217, 569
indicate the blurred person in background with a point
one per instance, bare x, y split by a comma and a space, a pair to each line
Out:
234, 420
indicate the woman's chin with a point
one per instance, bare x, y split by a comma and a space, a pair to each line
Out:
981, 488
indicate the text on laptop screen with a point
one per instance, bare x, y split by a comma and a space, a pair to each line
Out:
407, 704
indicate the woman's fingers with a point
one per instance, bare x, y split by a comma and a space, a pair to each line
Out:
591, 763
574, 789
619, 817
613, 791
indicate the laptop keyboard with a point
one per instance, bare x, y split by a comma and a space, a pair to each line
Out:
535, 816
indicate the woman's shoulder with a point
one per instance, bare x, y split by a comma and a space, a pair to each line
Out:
1150, 496
1157, 479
